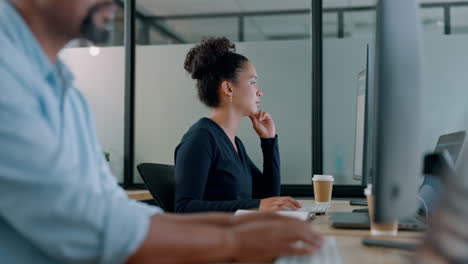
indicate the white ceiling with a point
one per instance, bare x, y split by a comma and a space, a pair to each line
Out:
258, 28
177, 7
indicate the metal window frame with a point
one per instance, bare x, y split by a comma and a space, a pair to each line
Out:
129, 99
317, 86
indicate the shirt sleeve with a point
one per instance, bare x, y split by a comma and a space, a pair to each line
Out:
44, 201
193, 160
267, 183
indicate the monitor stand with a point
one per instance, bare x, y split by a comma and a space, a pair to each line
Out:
359, 202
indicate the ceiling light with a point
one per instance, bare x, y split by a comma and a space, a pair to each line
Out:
94, 51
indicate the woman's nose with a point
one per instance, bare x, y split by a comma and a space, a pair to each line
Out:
259, 92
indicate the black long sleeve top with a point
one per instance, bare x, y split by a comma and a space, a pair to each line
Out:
212, 176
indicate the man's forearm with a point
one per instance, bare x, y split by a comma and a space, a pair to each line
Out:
173, 240
219, 219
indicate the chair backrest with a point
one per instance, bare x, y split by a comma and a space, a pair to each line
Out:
160, 180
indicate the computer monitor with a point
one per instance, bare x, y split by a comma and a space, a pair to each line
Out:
364, 117
397, 152
432, 185
453, 143
360, 121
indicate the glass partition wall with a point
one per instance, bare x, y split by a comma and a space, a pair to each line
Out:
273, 35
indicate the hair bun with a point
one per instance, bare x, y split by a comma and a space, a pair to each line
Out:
202, 58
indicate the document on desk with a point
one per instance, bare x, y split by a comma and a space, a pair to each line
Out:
296, 214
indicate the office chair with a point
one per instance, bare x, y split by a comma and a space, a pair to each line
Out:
160, 180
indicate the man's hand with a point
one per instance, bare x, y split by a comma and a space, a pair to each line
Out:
268, 239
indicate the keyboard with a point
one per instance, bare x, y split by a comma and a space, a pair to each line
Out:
328, 254
315, 208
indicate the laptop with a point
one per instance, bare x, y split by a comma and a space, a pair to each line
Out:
452, 143
361, 221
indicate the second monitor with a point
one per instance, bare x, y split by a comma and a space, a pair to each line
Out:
363, 143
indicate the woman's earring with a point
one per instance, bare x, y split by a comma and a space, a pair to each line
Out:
230, 99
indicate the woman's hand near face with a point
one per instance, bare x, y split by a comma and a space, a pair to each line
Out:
263, 124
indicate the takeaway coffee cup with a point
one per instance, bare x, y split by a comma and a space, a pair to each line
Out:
323, 186
379, 229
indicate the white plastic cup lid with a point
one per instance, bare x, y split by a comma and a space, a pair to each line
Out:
323, 178
368, 190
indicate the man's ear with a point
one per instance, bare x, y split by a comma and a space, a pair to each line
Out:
226, 88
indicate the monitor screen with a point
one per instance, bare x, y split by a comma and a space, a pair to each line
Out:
452, 143
360, 118
363, 144
432, 185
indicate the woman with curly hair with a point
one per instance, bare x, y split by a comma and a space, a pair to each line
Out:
213, 171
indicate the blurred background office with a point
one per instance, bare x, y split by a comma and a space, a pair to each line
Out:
142, 119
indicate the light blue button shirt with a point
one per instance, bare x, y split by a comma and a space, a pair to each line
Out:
59, 202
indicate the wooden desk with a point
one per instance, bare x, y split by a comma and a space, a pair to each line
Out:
140, 195
349, 240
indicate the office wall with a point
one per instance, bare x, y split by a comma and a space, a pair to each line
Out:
167, 103
101, 80
445, 95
